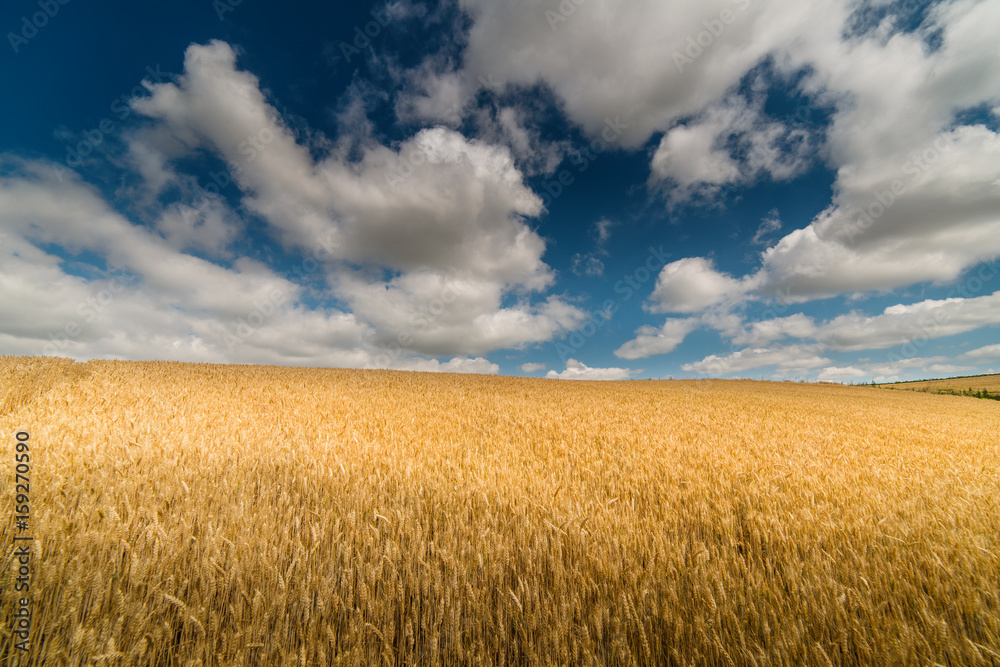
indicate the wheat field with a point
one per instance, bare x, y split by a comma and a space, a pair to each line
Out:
236, 515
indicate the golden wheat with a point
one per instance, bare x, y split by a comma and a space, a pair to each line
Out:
224, 515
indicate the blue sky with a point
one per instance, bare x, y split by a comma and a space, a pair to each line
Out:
576, 189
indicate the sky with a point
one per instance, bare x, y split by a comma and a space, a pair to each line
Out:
573, 189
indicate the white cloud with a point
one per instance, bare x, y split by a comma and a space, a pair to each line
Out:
696, 158
439, 201
897, 325
590, 264
513, 127
894, 370
908, 363
948, 369
438, 315
915, 198
208, 226
532, 367
907, 327
768, 226
151, 163
606, 60
130, 313
767, 331
893, 103
587, 265
602, 231
436, 93
690, 155
786, 360
840, 373
900, 324
929, 187
478, 366
123, 314
939, 223
650, 341
61, 210
691, 285
425, 241
441, 212
215, 106
986, 351
576, 370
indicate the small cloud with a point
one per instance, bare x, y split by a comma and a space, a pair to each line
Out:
840, 373
587, 265
602, 231
478, 366
768, 226
650, 341
988, 351
576, 370
532, 367
691, 285
789, 359
948, 369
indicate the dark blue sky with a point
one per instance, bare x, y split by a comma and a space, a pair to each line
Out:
681, 189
